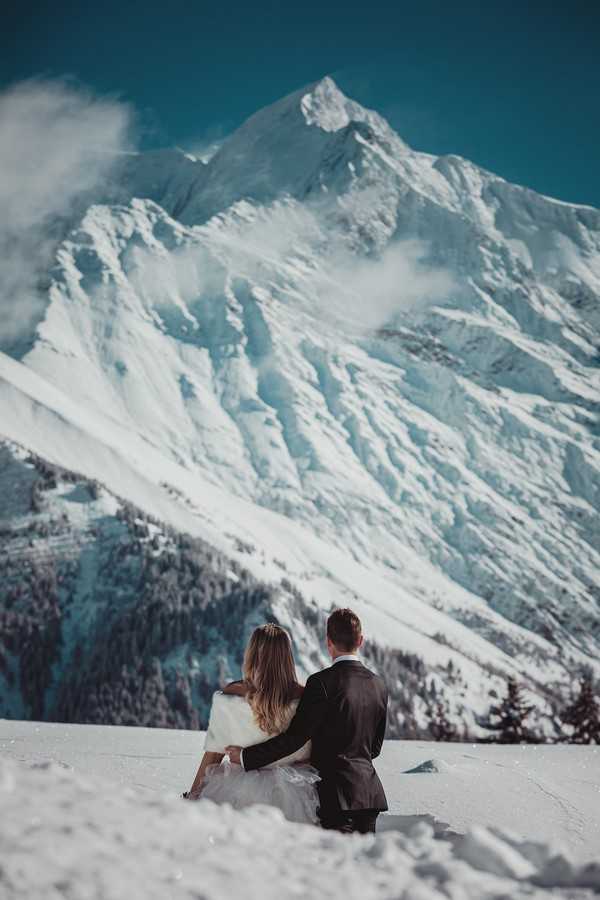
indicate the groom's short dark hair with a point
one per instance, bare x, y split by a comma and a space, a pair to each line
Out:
344, 629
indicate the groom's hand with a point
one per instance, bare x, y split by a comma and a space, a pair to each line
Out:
234, 754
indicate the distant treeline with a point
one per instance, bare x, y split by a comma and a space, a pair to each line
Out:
579, 718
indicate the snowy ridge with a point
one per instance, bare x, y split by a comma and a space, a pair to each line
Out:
89, 803
376, 366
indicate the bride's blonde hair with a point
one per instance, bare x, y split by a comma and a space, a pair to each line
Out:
270, 674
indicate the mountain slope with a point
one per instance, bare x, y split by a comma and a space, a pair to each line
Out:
110, 616
386, 359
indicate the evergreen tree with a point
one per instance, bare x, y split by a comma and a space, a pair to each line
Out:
441, 728
583, 714
508, 717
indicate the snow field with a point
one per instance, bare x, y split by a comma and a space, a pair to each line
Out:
94, 812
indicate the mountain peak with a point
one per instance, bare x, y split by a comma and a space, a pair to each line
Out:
323, 104
281, 148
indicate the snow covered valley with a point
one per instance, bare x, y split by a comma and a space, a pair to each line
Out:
94, 812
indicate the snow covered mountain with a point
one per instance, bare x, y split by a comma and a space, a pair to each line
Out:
377, 368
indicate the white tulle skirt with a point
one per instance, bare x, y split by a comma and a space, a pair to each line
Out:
290, 788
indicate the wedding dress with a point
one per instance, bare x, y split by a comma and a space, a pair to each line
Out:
288, 784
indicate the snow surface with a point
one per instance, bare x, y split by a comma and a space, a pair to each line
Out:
376, 366
94, 812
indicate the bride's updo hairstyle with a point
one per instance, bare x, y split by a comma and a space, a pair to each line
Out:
270, 674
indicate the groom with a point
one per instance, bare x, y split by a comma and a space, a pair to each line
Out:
343, 712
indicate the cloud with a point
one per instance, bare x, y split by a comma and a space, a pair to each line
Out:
204, 146
58, 142
299, 251
203, 151
353, 290
368, 293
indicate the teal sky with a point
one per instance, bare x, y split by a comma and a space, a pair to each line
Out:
515, 87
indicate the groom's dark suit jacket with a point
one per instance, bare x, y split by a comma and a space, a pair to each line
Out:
343, 711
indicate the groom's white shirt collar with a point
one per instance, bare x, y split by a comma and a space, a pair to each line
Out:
351, 657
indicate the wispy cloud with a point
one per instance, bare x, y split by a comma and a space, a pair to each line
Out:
58, 142
368, 293
296, 245
203, 146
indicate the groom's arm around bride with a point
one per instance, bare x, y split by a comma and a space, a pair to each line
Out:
309, 716
343, 712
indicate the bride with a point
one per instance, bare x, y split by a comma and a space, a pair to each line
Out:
250, 712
